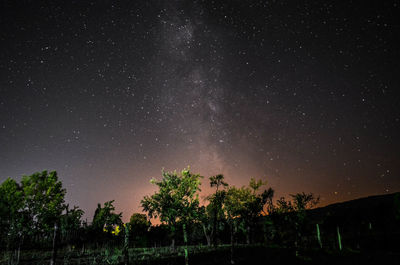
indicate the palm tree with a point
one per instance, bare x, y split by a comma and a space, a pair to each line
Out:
217, 200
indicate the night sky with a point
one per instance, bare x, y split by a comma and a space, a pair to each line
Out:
300, 93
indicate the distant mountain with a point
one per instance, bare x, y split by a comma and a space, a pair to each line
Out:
379, 209
371, 223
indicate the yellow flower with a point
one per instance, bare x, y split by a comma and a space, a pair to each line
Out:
116, 230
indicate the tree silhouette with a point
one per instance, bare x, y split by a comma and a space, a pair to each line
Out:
243, 206
216, 201
44, 199
32, 208
105, 218
177, 200
292, 214
70, 221
12, 215
138, 226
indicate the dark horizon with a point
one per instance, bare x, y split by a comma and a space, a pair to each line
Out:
301, 94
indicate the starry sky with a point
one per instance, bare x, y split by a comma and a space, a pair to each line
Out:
302, 94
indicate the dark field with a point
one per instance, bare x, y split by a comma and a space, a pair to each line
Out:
209, 256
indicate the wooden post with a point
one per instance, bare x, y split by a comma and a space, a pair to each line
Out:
339, 238
319, 236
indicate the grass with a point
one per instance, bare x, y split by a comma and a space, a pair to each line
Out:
204, 255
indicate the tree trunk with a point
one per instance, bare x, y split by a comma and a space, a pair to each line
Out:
54, 251
173, 244
126, 245
215, 233
8, 253
186, 247
173, 228
19, 248
206, 235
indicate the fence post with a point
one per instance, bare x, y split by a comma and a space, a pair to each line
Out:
339, 238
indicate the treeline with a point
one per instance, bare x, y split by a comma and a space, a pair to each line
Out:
34, 215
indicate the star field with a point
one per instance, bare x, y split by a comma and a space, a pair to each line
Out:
302, 94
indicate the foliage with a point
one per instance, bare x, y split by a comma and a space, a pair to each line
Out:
291, 215
299, 204
11, 210
138, 228
246, 203
105, 219
177, 198
32, 207
138, 222
243, 206
71, 219
218, 181
214, 208
43, 199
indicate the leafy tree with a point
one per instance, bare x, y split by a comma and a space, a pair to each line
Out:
138, 227
34, 207
71, 221
255, 203
204, 218
105, 219
243, 206
246, 204
177, 200
292, 213
215, 206
233, 206
43, 200
12, 216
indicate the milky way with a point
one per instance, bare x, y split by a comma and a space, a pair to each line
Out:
301, 94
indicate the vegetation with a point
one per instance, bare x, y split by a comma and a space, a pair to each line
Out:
176, 201
138, 228
292, 214
37, 225
215, 207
